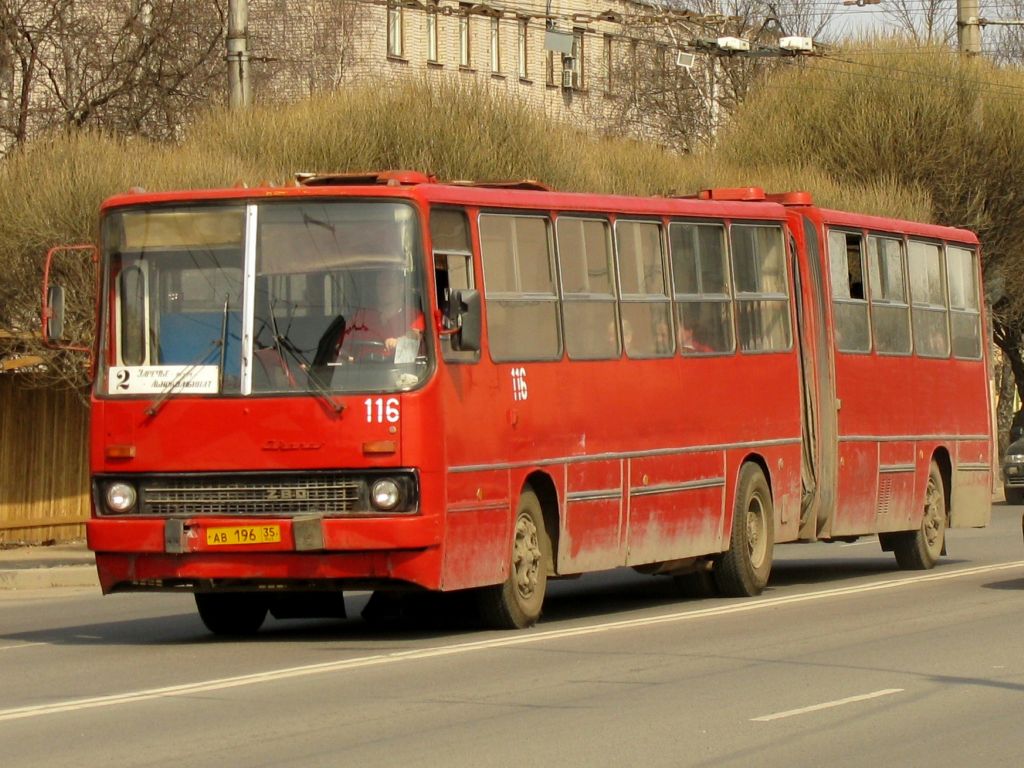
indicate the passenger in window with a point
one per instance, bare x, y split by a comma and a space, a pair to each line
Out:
689, 344
856, 288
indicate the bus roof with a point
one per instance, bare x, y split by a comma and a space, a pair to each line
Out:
512, 194
744, 202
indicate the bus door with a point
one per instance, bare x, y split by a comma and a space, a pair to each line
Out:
476, 495
819, 422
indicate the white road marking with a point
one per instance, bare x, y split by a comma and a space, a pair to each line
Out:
826, 705
20, 645
505, 641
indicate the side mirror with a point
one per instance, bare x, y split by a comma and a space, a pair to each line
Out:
466, 308
53, 314
53, 326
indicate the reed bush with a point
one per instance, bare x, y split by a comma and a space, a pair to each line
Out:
50, 193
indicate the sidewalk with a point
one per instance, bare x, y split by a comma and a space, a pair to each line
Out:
39, 567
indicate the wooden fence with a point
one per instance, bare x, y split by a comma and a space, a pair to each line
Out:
44, 473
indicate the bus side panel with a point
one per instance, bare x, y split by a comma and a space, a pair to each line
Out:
971, 495
675, 506
594, 536
477, 529
899, 476
857, 496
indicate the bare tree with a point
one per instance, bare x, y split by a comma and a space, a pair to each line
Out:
133, 66
307, 47
927, 22
684, 106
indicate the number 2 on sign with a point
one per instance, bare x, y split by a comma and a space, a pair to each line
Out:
519, 389
379, 410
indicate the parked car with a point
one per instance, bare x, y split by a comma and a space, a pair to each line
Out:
1013, 472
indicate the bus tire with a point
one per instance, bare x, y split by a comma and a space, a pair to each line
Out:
232, 614
744, 568
516, 603
1013, 495
919, 550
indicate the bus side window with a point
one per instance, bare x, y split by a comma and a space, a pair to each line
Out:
519, 282
453, 269
588, 288
928, 312
849, 302
890, 311
964, 312
762, 294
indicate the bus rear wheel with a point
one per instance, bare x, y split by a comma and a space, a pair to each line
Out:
743, 570
919, 550
516, 603
232, 614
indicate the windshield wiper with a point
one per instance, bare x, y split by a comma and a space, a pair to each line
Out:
186, 375
286, 344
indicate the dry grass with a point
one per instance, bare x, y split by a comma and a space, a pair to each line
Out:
50, 193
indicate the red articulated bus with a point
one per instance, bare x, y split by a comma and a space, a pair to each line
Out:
383, 382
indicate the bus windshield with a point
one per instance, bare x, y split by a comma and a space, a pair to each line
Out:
332, 301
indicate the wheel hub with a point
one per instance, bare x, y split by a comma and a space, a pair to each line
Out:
526, 557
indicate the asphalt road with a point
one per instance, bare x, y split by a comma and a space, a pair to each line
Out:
844, 661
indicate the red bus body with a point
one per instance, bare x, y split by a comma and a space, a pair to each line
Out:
635, 461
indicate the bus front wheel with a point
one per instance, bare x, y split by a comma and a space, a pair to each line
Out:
516, 603
743, 570
233, 614
919, 550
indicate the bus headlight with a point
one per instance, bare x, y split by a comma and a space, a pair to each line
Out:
385, 494
121, 497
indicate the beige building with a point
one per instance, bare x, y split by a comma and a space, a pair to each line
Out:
587, 62
323, 44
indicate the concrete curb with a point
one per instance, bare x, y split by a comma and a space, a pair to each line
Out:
44, 578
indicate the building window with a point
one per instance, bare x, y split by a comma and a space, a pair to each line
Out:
577, 58
394, 29
608, 63
524, 25
432, 32
495, 44
464, 40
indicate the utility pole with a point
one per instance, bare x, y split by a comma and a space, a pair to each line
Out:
968, 27
239, 83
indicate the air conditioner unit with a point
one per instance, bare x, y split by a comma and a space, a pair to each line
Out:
568, 79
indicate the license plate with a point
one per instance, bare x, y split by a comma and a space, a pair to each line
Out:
243, 534
1012, 470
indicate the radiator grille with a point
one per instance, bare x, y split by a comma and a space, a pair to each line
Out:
281, 496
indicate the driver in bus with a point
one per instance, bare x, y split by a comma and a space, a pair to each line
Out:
377, 331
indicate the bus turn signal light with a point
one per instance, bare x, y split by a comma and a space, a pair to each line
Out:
379, 447
119, 451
